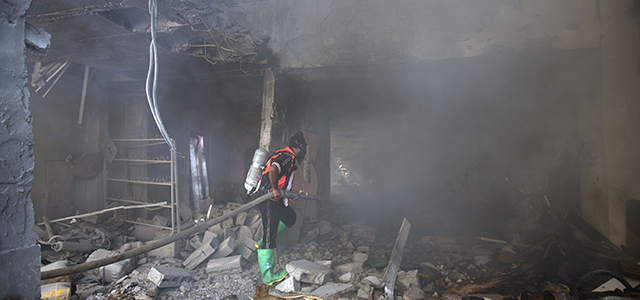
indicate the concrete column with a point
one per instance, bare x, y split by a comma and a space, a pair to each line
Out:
19, 254
268, 109
610, 126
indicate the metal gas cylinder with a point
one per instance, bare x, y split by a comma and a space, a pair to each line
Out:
255, 170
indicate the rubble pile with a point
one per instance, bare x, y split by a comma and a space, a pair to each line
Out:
329, 261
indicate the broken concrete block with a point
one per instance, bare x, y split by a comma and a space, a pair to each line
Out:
225, 248
211, 238
306, 271
232, 205
372, 281
165, 277
365, 292
346, 277
324, 226
249, 243
324, 263
216, 229
228, 223
241, 218
230, 232
414, 293
245, 252
288, 285
405, 280
167, 251
196, 241
198, 256
223, 265
332, 289
244, 232
360, 257
354, 267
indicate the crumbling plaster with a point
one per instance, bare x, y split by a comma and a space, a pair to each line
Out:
19, 254
311, 33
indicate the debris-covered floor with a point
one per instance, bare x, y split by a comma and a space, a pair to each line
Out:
339, 259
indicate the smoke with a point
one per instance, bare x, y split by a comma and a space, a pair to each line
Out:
425, 126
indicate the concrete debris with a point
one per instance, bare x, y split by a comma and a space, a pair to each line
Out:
241, 218
225, 248
345, 278
333, 289
232, 205
200, 255
306, 271
224, 265
406, 280
372, 281
288, 285
165, 277
360, 257
364, 234
246, 252
413, 293
112, 272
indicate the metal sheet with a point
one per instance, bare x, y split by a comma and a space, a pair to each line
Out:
390, 274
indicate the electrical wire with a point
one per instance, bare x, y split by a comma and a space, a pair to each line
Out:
153, 67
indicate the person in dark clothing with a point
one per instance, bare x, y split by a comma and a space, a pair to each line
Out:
276, 213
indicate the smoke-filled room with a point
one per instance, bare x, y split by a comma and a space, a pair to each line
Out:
320, 149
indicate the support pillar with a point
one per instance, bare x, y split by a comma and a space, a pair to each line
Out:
610, 125
19, 253
268, 109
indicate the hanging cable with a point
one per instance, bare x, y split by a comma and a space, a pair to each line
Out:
153, 67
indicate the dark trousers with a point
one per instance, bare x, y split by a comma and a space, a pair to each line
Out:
272, 213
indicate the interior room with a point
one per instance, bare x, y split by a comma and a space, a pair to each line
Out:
421, 149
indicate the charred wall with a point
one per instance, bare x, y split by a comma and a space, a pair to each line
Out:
439, 123
19, 255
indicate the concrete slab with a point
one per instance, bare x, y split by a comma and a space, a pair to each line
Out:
288, 285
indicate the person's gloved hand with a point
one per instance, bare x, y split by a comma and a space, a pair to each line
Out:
277, 193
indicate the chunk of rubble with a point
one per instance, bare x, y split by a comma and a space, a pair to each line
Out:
372, 281
364, 233
225, 248
365, 292
306, 271
360, 257
332, 289
165, 277
413, 293
288, 285
241, 218
406, 280
346, 277
225, 265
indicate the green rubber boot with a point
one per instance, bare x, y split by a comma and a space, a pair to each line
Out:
281, 227
266, 264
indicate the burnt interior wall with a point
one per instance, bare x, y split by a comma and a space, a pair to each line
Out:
426, 124
57, 192
19, 254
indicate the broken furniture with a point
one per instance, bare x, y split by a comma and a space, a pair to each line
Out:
124, 164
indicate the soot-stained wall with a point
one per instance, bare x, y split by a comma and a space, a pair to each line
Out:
19, 255
426, 123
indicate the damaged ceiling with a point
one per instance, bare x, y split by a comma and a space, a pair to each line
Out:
203, 38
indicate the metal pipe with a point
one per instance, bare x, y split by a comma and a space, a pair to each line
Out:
146, 248
80, 246
104, 211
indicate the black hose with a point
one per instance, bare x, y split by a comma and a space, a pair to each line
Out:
593, 274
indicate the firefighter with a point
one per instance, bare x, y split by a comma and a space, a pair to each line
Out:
277, 215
